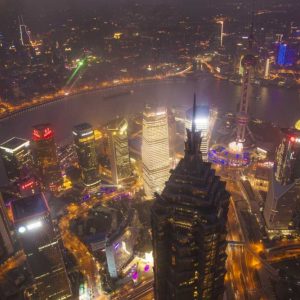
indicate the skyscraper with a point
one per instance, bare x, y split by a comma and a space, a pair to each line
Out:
45, 156
41, 245
205, 119
6, 242
119, 150
84, 139
16, 157
287, 161
155, 150
189, 229
281, 210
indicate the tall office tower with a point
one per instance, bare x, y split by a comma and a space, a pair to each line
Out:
84, 139
119, 150
45, 156
155, 150
6, 243
205, 120
41, 245
281, 210
16, 157
287, 161
189, 229
283, 198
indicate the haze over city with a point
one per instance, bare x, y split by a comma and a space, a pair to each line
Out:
149, 149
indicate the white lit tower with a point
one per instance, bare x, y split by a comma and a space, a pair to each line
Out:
155, 150
242, 118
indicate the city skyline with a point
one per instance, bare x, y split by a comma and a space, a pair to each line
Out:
113, 185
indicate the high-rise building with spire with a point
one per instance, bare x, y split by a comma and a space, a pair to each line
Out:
204, 120
189, 229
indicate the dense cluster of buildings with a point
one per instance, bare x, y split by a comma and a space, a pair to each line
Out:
189, 200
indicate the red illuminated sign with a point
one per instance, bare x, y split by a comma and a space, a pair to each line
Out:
46, 133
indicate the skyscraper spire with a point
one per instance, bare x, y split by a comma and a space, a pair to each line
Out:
193, 142
194, 115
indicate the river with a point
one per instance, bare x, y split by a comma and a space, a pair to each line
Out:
281, 106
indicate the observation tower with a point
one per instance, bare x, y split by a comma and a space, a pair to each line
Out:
237, 153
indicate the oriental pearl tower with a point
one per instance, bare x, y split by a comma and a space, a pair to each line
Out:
238, 152
244, 136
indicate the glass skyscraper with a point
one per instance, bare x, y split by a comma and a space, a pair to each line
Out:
155, 150
41, 245
119, 150
84, 140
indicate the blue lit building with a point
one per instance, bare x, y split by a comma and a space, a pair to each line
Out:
286, 55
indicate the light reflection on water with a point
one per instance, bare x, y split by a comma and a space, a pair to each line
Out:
280, 106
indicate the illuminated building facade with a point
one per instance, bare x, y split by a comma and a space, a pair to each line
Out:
6, 242
287, 161
84, 140
41, 245
120, 245
155, 150
45, 156
16, 157
205, 120
286, 56
189, 230
119, 150
283, 198
281, 208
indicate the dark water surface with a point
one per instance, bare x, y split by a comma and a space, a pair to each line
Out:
281, 106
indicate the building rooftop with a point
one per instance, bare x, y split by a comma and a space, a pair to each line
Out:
42, 127
29, 207
118, 124
82, 127
14, 144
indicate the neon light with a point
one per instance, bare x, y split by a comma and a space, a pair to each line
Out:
48, 133
36, 135
27, 185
